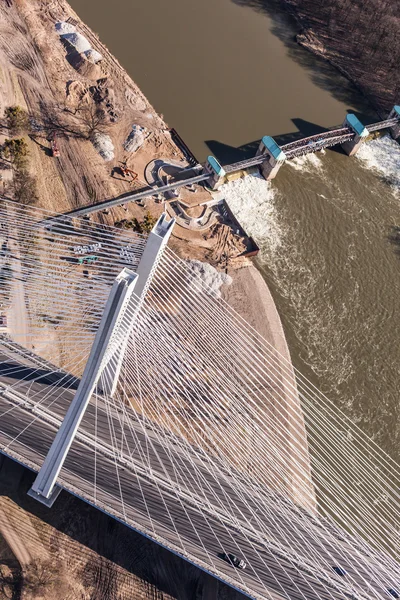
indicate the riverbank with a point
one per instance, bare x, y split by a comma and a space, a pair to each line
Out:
359, 39
250, 297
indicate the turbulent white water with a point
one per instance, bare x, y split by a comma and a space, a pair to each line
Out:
383, 155
252, 201
324, 230
309, 162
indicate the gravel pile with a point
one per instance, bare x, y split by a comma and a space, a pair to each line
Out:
63, 27
81, 45
208, 277
103, 144
93, 56
136, 138
78, 41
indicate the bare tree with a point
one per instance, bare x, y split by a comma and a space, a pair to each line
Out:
42, 576
92, 118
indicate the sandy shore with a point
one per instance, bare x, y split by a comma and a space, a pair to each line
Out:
251, 298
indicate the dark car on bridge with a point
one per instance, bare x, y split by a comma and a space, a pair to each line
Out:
233, 560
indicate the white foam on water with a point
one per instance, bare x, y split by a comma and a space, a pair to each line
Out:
382, 155
308, 163
252, 201
257, 206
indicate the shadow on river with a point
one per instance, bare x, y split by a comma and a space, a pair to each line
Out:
323, 74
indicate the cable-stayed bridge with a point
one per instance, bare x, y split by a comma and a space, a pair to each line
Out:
127, 382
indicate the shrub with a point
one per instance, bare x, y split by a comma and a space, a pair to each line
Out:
15, 151
17, 120
148, 223
143, 226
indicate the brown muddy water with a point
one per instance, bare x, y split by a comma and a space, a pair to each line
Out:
224, 73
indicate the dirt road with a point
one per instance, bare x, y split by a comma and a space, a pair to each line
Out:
13, 539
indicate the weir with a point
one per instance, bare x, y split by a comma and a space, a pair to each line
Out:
269, 158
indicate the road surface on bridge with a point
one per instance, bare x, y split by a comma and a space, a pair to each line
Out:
158, 510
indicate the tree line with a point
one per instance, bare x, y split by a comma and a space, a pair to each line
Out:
361, 37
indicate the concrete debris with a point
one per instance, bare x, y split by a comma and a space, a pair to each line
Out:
136, 138
62, 27
80, 44
103, 144
208, 277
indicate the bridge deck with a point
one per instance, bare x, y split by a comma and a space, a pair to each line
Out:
144, 193
197, 532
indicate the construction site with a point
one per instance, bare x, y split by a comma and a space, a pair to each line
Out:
91, 135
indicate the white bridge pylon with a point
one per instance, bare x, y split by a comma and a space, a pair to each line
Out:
106, 355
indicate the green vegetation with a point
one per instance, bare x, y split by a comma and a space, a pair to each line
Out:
16, 151
143, 226
23, 186
17, 120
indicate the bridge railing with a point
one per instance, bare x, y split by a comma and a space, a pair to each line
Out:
310, 147
382, 125
244, 164
332, 133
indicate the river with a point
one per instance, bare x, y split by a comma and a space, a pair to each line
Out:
224, 74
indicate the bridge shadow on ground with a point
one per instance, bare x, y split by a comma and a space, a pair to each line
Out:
227, 154
109, 552
322, 73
